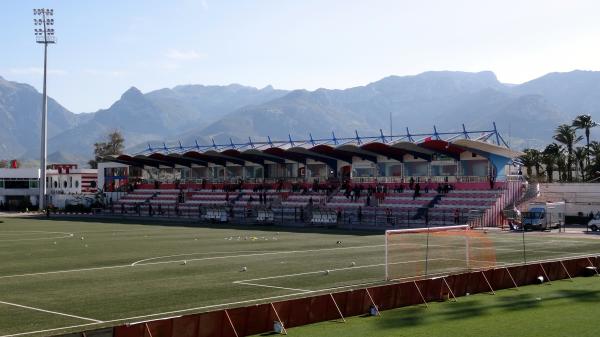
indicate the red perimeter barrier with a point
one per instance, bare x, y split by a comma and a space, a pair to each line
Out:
255, 319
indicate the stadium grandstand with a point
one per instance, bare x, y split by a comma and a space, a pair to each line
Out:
401, 180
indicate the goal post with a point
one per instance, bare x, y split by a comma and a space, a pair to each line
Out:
421, 252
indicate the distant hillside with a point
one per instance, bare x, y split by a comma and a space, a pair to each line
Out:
158, 115
529, 111
21, 117
446, 99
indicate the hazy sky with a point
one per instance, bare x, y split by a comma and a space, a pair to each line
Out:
104, 47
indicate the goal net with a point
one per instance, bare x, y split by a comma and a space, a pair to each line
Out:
421, 252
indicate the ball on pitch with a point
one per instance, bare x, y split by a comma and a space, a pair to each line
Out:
244, 268
353, 263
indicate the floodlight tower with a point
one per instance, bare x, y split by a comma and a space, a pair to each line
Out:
44, 33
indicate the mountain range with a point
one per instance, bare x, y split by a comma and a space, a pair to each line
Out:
526, 113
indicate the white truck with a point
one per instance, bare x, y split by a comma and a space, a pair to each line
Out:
594, 224
544, 215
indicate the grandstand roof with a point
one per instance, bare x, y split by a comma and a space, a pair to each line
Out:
485, 149
322, 152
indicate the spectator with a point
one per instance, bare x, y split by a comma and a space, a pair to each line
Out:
417, 191
456, 216
359, 214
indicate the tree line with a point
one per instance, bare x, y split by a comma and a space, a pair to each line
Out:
564, 156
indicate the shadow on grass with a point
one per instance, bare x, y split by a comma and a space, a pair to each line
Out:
581, 295
195, 223
406, 317
470, 308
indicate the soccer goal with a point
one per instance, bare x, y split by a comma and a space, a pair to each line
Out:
422, 252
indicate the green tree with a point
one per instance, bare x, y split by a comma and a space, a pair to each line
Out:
528, 160
565, 134
585, 122
550, 157
594, 168
113, 146
580, 155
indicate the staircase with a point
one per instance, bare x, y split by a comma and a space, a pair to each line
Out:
421, 212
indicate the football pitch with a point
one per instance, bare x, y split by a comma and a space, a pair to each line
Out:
72, 275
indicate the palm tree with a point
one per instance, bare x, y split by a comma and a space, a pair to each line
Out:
580, 155
528, 160
595, 153
566, 135
585, 122
550, 156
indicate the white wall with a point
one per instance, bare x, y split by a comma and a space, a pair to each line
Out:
579, 197
23, 173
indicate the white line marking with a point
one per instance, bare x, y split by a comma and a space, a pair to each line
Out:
190, 254
242, 256
51, 312
275, 287
335, 269
179, 261
64, 271
63, 235
263, 254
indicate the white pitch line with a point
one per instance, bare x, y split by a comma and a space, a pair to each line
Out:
64, 235
335, 269
129, 319
191, 254
176, 261
222, 257
274, 287
50, 312
179, 261
65, 271
261, 254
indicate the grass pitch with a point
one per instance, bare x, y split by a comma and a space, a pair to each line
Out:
561, 309
72, 275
